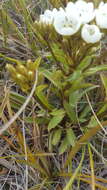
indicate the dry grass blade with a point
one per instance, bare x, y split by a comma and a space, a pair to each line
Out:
50, 93
92, 167
26, 154
84, 139
97, 185
84, 176
29, 154
95, 115
70, 183
7, 125
4, 102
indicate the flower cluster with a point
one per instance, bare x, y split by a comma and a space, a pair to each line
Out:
24, 74
78, 16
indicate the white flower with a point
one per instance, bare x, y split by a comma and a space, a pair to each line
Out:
48, 16
66, 24
70, 7
91, 33
85, 10
54, 12
101, 15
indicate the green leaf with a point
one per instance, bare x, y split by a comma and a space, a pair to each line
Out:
102, 109
93, 122
17, 97
70, 112
76, 75
71, 136
61, 56
41, 88
85, 63
76, 95
43, 99
63, 146
17, 101
79, 84
38, 120
84, 113
58, 112
104, 81
56, 120
56, 136
96, 69
50, 145
50, 76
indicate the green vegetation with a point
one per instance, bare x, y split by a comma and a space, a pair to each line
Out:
53, 104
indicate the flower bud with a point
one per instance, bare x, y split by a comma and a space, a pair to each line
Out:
30, 75
29, 64
21, 69
11, 69
32, 66
21, 78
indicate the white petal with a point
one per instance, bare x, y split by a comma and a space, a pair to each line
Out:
70, 4
48, 13
61, 11
48, 16
66, 31
101, 4
101, 20
54, 11
91, 33
80, 3
70, 7
66, 24
101, 15
85, 11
